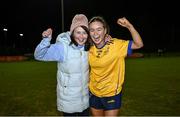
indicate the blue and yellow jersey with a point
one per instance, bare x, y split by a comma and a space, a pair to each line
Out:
108, 67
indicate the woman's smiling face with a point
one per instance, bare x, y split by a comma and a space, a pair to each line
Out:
80, 36
97, 33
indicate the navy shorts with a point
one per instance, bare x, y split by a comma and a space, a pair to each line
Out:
105, 103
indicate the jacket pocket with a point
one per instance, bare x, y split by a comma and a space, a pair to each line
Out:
74, 80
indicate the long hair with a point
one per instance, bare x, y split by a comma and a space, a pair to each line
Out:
87, 43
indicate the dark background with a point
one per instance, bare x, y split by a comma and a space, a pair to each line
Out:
156, 21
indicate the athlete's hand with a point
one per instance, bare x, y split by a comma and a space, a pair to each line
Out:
124, 22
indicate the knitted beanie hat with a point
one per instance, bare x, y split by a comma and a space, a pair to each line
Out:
79, 20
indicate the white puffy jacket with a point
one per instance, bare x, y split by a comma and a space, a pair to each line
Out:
72, 78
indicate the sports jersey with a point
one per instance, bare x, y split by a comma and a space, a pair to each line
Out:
107, 67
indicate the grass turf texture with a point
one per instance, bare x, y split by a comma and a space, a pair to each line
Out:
152, 87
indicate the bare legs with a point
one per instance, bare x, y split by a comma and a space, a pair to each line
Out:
101, 112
